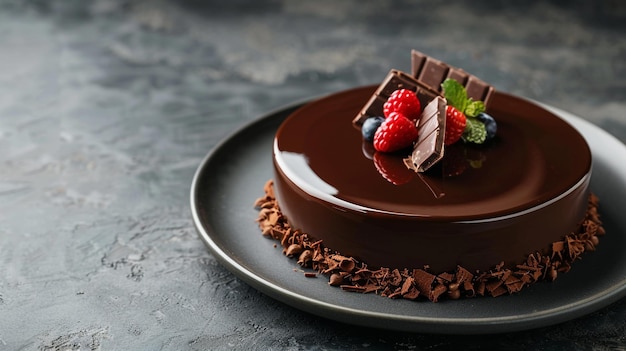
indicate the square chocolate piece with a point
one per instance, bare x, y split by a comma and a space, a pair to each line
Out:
433, 72
393, 81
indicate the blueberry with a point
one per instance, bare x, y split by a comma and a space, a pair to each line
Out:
370, 126
490, 124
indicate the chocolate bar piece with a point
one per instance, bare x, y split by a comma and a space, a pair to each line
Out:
433, 72
395, 80
429, 147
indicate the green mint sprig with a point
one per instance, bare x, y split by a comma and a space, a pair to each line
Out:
456, 95
475, 131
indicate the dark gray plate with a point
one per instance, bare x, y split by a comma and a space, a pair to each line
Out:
232, 176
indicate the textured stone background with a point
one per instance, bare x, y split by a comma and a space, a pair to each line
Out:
107, 107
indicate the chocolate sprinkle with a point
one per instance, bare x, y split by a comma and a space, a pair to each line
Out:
352, 275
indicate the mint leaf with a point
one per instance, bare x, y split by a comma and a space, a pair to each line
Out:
476, 163
473, 108
455, 94
475, 131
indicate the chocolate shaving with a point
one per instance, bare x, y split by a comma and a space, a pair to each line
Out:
353, 275
407, 285
423, 281
436, 292
335, 279
353, 288
395, 278
412, 294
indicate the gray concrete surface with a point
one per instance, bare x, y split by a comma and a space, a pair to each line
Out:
108, 107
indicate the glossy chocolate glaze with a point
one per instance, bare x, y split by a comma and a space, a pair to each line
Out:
485, 204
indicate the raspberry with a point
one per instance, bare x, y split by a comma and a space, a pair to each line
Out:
392, 168
403, 101
395, 133
455, 125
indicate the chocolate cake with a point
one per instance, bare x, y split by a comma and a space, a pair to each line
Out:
483, 219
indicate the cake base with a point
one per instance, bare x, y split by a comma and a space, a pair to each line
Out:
415, 283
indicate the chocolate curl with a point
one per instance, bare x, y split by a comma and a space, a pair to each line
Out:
396, 278
293, 250
575, 247
353, 288
423, 281
463, 275
336, 279
513, 284
305, 258
480, 288
408, 283
464, 278
558, 247
411, 294
347, 264
436, 292
445, 278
